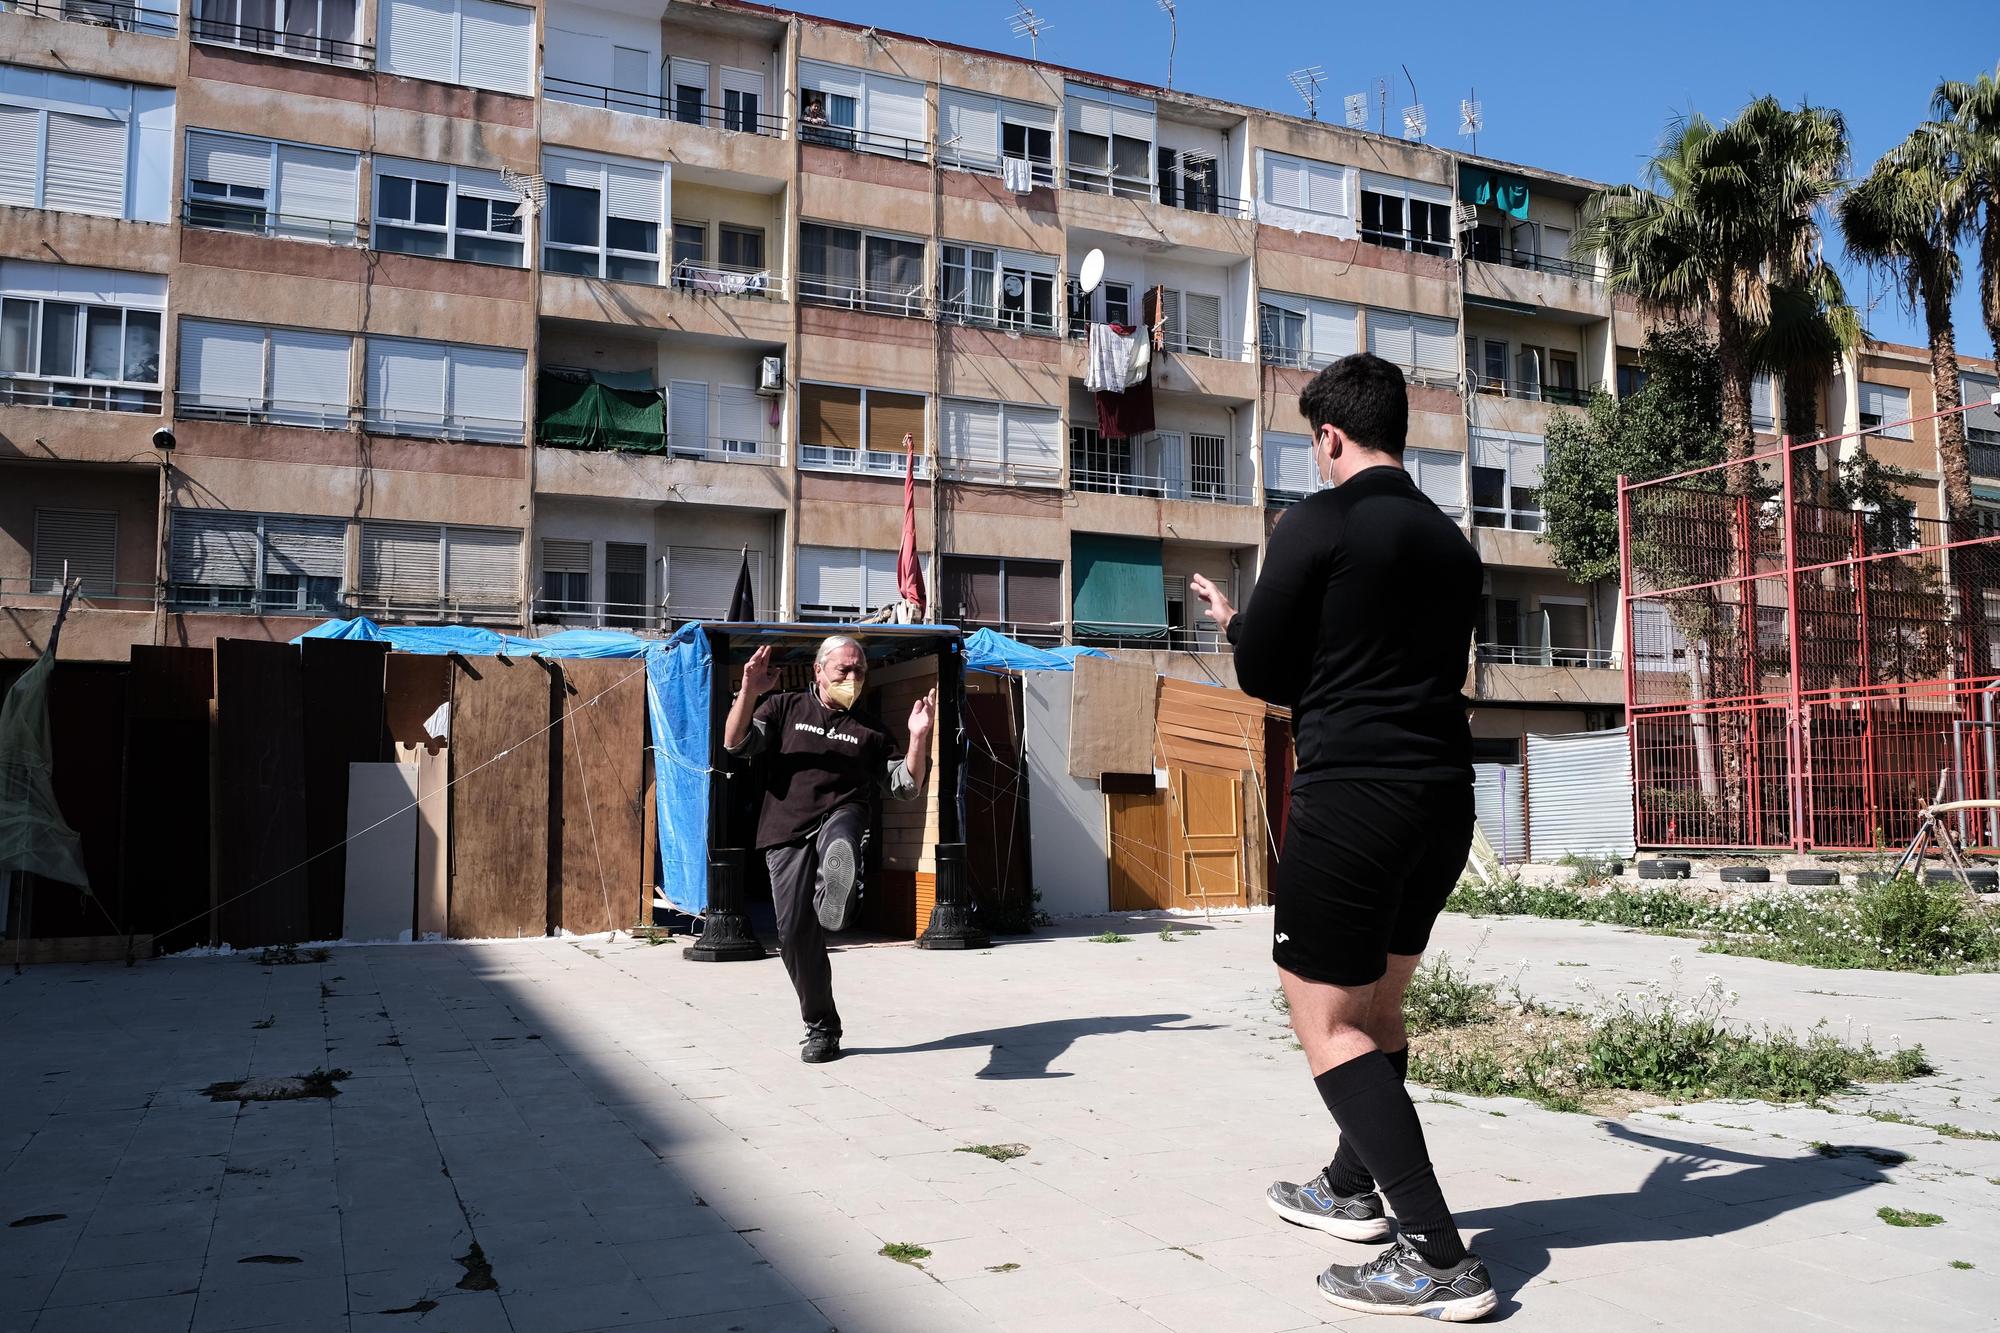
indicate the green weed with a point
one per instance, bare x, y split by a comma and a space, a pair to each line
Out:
1110, 937
997, 1152
1903, 1217
903, 1252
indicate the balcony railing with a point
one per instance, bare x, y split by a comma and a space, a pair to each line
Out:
379, 605
441, 426
1983, 451
1106, 482
1039, 172
1539, 391
249, 220
1545, 655
995, 316
1154, 638
303, 45
1097, 180
727, 280
1528, 259
846, 294
262, 411
92, 395
96, 594
1038, 633
997, 473
873, 462
639, 617
1398, 240
100, 14
853, 140
232, 600
1203, 201
720, 450
660, 106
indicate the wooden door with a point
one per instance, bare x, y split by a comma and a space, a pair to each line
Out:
1208, 834
1141, 857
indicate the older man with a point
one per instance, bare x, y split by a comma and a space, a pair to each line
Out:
824, 761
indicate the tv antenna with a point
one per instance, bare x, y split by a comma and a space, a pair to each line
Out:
1306, 83
1173, 39
1415, 122
1357, 111
1471, 117
1025, 22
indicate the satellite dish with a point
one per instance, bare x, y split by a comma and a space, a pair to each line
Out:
1013, 286
1092, 271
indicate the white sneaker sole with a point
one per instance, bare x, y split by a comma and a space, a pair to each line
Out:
1461, 1310
1375, 1228
839, 876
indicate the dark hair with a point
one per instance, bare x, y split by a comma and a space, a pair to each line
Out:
1363, 397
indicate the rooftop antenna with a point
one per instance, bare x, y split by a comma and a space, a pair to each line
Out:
1471, 117
1357, 110
1174, 37
1306, 83
1025, 22
1415, 122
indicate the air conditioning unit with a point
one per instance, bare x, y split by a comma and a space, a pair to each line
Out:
771, 377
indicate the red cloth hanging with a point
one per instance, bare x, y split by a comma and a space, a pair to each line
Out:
909, 571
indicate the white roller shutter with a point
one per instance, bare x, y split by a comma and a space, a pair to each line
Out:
1763, 398
1085, 109
747, 81
1204, 322
1436, 343
687, 415
86, 165
895, 112
1132, 118
1890, 406
1326, 189
20, 155
1391, 337
496, 46
701, 581
1285, 184
745, 414
1528, 459
1288, 463
636, 193
1034, 437
83, 541
819, 78
487, 388
1427, 191
406, 382
309, 375
228, 160
1332, 331
307, 547
317, 184
1580, 795
972, 431
212, 549
401, 562
418, 39
482, 567
880, 572
222, 365
580, 172
690, 74
973, 122
1440, 475
829, 576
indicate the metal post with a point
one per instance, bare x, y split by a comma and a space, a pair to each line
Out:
1631, 650
1797, 742
951, 924
726, 936
1862, 566
1753, 675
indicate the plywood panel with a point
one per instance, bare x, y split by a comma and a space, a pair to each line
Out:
601, 806
499, 809
1210, 726
260, 821
342, 680
86, 740
414, 684
433, 840
166, 792
1112, 706
380, 869
996, 808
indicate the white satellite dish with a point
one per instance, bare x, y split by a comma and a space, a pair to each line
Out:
1092, 271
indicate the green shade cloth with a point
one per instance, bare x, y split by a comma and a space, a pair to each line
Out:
1494, 189
33, 836
576, 414
1119, 587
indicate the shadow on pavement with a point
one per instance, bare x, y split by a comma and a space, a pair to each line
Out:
1027, 1050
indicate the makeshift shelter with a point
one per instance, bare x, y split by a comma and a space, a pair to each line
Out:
598, 413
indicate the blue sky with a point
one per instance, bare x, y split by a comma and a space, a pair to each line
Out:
1583, 91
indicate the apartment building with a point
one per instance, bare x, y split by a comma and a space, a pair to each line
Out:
544, 315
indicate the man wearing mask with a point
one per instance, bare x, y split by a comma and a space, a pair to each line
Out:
1361, 623
824, 761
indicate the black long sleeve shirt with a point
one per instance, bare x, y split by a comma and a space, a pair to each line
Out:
1361, 622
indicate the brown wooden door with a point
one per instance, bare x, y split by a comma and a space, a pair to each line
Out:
1208, 837
1141, 857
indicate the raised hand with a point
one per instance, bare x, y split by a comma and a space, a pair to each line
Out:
1217, 606
759, 676
923, 715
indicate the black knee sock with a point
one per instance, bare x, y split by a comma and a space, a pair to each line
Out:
1368, 1102
1344, 1174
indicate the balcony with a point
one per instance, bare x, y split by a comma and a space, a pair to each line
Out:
1489, 252
874, 297
846, 138
577, 412
117, 15
263, 411
1147, 638
459, 427
89, 395
1983, 451
1102, 481
632, 617
281, 595
698, 279
738, 118
95, 594
251, 220
1546, 655
296, 41
1533, 391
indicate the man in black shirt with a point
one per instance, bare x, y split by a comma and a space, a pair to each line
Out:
1361, 623
824, 760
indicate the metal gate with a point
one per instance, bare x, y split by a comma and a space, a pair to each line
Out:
1499, 800
1580, 794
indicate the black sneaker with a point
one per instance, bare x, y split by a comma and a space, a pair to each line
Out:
839, 874
1398, 1281
820, 1048
1314, 1204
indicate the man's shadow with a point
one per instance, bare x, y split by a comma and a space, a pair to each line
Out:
1027, 1050
1524, 1234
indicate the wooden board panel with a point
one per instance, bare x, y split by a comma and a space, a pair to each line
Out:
166, 792
76, 948
342, 682
260, 785
86, 744
499, 809
1208, 833
998, 865
413, 685
1209, 726
600, 807
433, 840
1140, 855
380, 901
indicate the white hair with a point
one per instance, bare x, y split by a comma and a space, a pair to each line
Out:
833, 643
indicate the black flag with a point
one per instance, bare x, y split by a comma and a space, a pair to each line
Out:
743, 603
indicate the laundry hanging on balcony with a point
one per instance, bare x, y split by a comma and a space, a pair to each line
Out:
33, 834
1494, 189
605, 411
1118, 364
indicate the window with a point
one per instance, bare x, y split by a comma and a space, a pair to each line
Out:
1290, 472
447, 212
740, 249
1300, 185
80, 337
1193, 322
625, 582
862, 111
1117, 303
721, 422
593, 67
314, 29
837, 583
246, 372
689, 79
479, 43
1306, 333
1425, 346
1885, 409
860, 271
1110, 141
431, 569
743, 101
1763, 401
267, 188
255, 564
604, 218
1561, 385
690, 245
701, 581
1631, 378
1021, 598
1982, 420
565, 581
445, 390
1506, 481
1208, 467
1004, 288
1190, 179
1001, 441
79, 544
1405, 215
979, 133
81, 145
849, 429
1440, 475
1154, 465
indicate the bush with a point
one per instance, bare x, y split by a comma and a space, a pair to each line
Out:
1442, 996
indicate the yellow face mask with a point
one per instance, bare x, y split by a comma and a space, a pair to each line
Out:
843, 693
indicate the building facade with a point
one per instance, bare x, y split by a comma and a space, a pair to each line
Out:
550, 315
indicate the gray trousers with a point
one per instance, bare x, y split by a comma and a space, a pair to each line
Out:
794, 871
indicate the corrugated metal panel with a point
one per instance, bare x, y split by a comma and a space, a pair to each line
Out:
1498, 800
1580, 794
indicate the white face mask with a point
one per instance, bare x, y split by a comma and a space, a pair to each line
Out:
842, 693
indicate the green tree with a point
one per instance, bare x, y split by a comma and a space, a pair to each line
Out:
1973, 109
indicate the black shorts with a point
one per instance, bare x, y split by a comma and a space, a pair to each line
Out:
1366, 868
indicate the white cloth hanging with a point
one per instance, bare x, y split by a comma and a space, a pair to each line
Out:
1018, 173
1108, 366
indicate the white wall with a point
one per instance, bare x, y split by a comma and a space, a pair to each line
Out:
579, 39
1070, 839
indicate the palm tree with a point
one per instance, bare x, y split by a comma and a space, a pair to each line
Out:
1973, 110
1729, 212
1810, 330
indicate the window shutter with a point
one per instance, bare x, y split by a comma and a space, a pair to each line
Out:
401, 563
969, 588
20, 154
689, 74
580, 172
745, 416
563, 555
222, 365
1391, 337
1284, 181
1169, 313
879, 571
1034, 437
829, 576
316, 184
687, 407
309, 376
406, 382
895, 111
482, 567
497, 46
487, 384
228, 160
974, 121
637, 193
1528, 458
829, 417
1436, 343
972, 431
418, 39
87, 539
1427, 191
1762, 397
1034, 593
310, 547
890, 417
1979, 389
701, 582
1331, 331
748, 81
1489, 451
1438, 474
1288, 463
1132, 118
86, 165
1085, 110
1204, 322
212, 549
1326, 189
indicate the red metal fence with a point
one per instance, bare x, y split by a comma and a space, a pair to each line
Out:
1798, 676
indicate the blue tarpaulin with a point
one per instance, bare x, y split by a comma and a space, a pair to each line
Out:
474, 642
991, 651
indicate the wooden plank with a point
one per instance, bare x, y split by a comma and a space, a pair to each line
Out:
260, 756
86, 744
342, 683
76, 948
499, 805
413, 685
166, 790
601, 806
